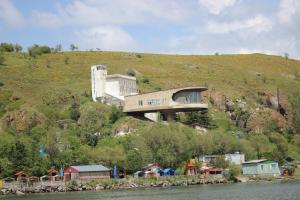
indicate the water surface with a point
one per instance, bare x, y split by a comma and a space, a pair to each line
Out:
244, 191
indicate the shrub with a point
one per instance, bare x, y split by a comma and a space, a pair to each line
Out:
131, 72
138, 55
6, 47
2, 59
145, 80
37, 50
67, 60
74, 111
157, 88
1, 84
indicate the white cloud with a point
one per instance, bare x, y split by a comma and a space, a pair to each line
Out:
287, 9
258, 24
216, 6
250, 51
46, 19
99, 12
105, 38
10, 15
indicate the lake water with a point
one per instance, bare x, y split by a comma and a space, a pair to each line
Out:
243, 191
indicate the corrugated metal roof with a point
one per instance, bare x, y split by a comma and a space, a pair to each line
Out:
255, 161
90, 168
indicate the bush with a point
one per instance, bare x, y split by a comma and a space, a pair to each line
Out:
139, 56
37, 50
2, 59
1, 84
67, 60
145, 80
74, 111
131, 72
234, 172
7, 47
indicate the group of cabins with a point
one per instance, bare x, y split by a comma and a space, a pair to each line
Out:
154, 170
253, 168
200, 166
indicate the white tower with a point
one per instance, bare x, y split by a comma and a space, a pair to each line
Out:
98, 78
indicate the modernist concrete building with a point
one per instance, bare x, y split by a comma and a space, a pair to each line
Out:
122, 90
167, 102
111, 88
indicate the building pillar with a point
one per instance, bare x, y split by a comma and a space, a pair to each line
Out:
170, 115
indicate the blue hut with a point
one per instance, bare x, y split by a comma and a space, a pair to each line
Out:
168, 172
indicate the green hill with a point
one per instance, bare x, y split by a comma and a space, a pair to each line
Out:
232, 74
46, 101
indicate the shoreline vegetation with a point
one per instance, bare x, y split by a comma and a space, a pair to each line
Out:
129, 183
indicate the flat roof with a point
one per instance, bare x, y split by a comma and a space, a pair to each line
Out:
183, 88
259, 161
112, 76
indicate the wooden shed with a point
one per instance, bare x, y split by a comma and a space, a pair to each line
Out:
87, 172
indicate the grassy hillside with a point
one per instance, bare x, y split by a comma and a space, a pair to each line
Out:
235, 75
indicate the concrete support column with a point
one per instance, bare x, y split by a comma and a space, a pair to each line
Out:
170, 116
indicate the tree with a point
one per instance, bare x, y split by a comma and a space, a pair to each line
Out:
134, 161
58, 48
220, 162
6, 168
18, 48
286, 56
116, 114
200, 118
19, 156
73, 47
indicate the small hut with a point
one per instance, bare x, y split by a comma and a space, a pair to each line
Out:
168, 172
191, 167
21, 176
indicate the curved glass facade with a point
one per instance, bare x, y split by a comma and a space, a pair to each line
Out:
187, 97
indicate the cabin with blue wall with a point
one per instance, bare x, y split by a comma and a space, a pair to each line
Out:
262, 167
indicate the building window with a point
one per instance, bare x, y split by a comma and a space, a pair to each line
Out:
153, 101
262, 167
273, 166
140, 103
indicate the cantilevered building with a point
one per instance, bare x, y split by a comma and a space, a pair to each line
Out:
167, 102
121, 90
111, 88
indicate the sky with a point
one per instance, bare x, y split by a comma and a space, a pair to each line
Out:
156, 26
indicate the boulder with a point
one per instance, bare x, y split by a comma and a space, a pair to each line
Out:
19, 193
99, 187
229, 105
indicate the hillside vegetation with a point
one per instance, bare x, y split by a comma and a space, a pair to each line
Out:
45, 103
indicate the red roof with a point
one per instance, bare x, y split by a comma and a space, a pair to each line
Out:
20, 173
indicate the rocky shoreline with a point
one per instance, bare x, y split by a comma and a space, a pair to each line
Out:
116, 185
